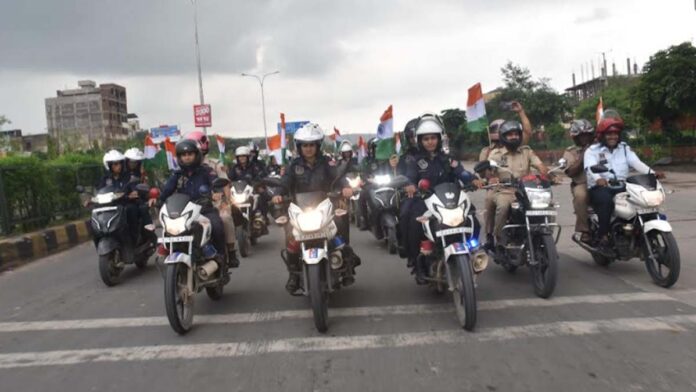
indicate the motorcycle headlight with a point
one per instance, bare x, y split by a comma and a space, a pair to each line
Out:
175, 226
354, 182
653, 198
382, 179
539, 198
311, 219
452, 217
106, 198
239, 198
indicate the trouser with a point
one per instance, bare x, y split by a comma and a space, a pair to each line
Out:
363, 200
602, 200
489, 211
413, 235
502, 200
132, 211
217, 229
262, 203
580, 203
228, 223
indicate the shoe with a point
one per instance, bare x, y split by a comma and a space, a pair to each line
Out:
293, 284
411, 262
232, 258
348, 280
489, 246
586, 238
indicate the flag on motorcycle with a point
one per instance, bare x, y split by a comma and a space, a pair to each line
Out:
600, 110
385, 135
283, 140
336, 137
150, 149
221, 147
476, 110
274, 148
362, 149
170, 149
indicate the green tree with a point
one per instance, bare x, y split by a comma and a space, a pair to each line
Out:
4, 120
619, 95
667, 89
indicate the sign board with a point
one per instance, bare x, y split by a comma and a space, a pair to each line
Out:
202, 116
292, 127
165, 131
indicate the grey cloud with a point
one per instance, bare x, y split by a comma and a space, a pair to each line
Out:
597, 14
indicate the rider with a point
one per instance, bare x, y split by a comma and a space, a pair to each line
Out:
583, 135
188, 180
310, 172
617, 156
409, 154
273, 166
436, 167
515, 160
369, 168
245, 169
254, 157
346, 151
220, 200
136, 174
117, 176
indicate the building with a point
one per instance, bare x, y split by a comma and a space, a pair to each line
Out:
88, 115
35, 143
133, 124
14, 141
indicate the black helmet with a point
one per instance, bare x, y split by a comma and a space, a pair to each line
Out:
578, 127
372, 147
506, 129
188, 145
410, 132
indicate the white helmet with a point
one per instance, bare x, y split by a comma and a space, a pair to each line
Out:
134, 154
242, 150
309, 133
111, 157
346, 146
429, 124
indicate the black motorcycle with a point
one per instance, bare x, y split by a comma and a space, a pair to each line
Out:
383, 205
111, 232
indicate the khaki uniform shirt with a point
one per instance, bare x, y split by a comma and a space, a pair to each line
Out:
572, 155
519, 162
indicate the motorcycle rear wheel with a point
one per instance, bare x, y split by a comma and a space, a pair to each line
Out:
243, 241
392, 242
179, 312
318, 295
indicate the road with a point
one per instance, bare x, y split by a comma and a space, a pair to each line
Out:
605, 329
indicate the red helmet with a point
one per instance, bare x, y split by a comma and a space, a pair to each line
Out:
201, 139
611, 121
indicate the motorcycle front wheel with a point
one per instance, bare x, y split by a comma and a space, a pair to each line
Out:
664, 270
318, 295
545, 271
243, 241
178, 304
392, 242
464, 293
108, 269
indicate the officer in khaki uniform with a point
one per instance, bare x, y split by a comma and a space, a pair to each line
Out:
513, 159
583, 135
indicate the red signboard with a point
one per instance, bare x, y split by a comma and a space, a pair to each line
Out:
202, 116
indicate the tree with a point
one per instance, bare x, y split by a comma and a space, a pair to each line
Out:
517, 77
453, 119
619, 95
667, 89
4, 120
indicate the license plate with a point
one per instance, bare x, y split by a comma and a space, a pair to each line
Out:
244, 205
168, 240
643, 211
311, 236
542, 213
456, 230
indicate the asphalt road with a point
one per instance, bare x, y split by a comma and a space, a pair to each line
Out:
605, 329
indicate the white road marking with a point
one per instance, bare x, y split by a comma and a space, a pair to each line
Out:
371, 311
675, 323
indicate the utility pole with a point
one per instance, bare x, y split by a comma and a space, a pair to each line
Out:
261, 80
198, 56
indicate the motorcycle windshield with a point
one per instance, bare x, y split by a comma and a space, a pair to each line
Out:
176, 204
109, 189
239, 186
309, 199
647, 181
448, 193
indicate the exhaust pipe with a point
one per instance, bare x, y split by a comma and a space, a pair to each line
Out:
207, 270
480, 261
336, 260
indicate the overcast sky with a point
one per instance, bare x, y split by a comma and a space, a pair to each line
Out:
341, 62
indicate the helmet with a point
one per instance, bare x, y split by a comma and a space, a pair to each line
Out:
345, 147
410, 131
112, 156
188, 145
253, 146
242, 150
372, 147
201, 139
581, 126
309, 133
134, 154
508, 127
430, 124
494, 127
610, 121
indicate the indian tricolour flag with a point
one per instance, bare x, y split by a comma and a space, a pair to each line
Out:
362, 149
221, 147
385, 135
150, 149
476, 110
170, 149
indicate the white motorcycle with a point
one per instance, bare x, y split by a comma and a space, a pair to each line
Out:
248, 232
638, 229
192, 263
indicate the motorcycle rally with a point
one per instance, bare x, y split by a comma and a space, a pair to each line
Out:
408, 190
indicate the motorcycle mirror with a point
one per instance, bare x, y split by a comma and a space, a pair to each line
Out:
80, 189
562, 163
599, 168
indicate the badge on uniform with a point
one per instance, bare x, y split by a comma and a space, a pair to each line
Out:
423, 164
299, 170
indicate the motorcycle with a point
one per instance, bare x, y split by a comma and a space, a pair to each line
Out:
355, 183
111, 233
638, 229
451, 253
192, 263
530, 234
253, 224
384, 207
327, 262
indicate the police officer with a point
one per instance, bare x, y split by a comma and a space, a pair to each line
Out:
310, 172
188, 180
515, 161
118, 177
369, 168
583, 134
254, 158
616, 155
409, 153
432, 164
273, 166
244, 169
489, 203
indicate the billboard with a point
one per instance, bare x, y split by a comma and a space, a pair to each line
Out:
202, 116
292, 127
165, 131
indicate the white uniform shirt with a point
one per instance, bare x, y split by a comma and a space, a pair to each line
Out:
621, 160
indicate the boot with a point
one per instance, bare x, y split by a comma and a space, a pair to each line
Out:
224, 274
292, 261
490, 243
420, 270
232, 259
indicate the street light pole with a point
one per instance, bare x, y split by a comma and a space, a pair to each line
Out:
261, 80
198, 56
